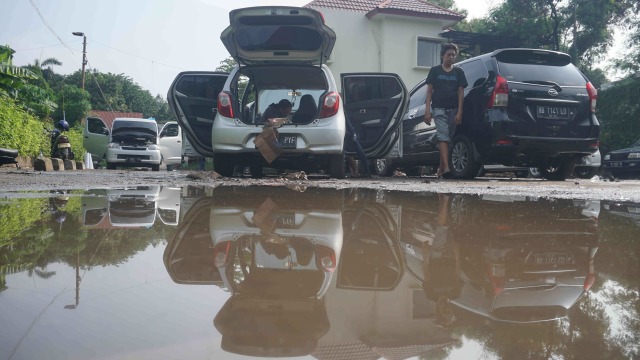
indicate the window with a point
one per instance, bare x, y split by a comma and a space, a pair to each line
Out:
418, 98
476, 73
428, 52
171, 130
96, 126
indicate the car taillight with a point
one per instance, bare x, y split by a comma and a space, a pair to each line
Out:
330, 105
595, 145
593, 96
500, 94
588, 282
225, 103
325, 258
220, 253
497, 274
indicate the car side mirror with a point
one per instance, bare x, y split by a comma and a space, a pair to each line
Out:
105, 131
163, 133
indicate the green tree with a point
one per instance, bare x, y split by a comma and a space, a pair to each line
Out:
580, 27
74, 105
227, 65
11, 77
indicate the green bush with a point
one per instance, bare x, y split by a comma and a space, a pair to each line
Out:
29, 135
20, 130
618, 113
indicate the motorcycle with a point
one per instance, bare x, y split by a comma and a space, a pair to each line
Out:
60, 146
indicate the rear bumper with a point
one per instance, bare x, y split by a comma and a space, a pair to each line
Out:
324, 136
532, 150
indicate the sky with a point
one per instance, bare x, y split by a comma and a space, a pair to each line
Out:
150, 41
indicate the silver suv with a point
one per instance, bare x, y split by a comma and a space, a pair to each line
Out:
281, 54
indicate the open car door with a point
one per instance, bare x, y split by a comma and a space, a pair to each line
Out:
193, 99
96, 137
374, 104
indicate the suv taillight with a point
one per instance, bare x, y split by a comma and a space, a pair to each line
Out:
593, 96
500, 94
330, 105
225, 102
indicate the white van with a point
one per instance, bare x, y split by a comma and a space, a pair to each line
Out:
136, 142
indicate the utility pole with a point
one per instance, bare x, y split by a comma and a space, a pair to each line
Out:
84, 52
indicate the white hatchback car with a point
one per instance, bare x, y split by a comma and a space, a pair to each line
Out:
281, 52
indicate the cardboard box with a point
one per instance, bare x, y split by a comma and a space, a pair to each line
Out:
267, 143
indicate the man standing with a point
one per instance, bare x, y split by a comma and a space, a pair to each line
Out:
445, 94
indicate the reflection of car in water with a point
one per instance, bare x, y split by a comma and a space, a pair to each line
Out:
276, 251
523, 261
135, 206
189, 257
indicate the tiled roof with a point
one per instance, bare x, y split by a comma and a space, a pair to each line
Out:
406, 7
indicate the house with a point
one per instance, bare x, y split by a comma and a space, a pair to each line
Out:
396, 36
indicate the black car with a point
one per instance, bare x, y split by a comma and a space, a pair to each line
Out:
623, 162
522, 107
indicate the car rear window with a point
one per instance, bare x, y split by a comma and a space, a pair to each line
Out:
528, 66
278, 38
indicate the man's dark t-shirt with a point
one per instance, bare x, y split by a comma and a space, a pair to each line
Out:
445, 86
272, 111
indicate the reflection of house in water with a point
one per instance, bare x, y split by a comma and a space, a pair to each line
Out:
131, 207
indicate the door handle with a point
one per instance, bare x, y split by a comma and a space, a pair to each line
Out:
362, 111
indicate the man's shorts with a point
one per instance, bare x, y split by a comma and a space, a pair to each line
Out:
445, 123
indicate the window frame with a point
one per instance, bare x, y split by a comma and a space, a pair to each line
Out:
437, 41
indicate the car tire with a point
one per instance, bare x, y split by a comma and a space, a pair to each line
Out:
155, 167
111, 166
558, 170
337, 166
585, 172
382, 167
463, 160
256, 168
534, 172
223, 165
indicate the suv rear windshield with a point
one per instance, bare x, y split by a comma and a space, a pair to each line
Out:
535, 67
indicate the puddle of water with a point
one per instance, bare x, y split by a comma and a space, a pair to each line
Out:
152, 271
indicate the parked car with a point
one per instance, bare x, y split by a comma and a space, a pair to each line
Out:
522, 107
623, 162
588, 166
281, 52
133, 142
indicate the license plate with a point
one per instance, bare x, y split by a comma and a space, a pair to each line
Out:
286, 221
616, 164
288, 141
559, 259
554, 112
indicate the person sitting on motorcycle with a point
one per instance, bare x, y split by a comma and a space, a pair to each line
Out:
61, 126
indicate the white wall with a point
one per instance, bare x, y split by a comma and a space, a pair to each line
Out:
386, 43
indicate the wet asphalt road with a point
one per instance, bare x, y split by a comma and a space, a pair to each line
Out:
14, 180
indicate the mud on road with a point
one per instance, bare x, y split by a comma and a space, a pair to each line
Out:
15, 181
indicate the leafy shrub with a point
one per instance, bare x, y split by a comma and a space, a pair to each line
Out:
29, 135
20, 130
618, 113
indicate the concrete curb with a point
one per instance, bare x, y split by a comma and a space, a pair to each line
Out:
48, 164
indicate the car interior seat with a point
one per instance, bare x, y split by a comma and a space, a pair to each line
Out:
306, 111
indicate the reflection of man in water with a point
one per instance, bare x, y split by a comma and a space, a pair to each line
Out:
441, 266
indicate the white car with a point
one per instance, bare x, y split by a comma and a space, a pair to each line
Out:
133, 142
281, 52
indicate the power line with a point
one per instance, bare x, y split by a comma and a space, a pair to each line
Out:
99, 88
49, 26
138, 56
